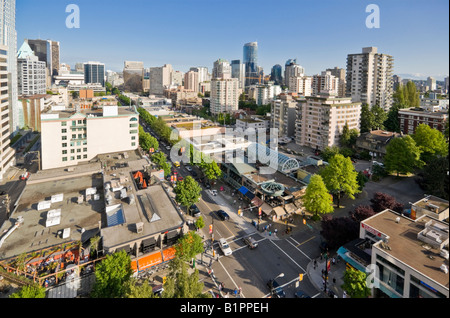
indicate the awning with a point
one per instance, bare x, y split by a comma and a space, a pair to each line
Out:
134, 266
279, 211
168, 254
243, 190
290, 208
266, 208
149, 261
256, 201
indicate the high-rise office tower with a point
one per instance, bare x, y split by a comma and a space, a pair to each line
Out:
251, 63
238, 71
221, 69
202, 71
8, 38
369, 78
94, 72
47, 51
276, 74
31, 72
6, 152
431, 83
133, 76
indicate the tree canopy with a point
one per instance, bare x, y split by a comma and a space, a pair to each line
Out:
187, 192
316, 198
340, 177
430, 141
402, 155
355, 283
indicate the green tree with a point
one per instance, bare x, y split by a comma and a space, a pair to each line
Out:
111, 276
29, 291
379, 117
434, 179
430, 141
402, 155
187, 192
391, 123
316, 198
355, 284
367, 118
200, 223
135, 290
211, 171
189, 246
345, 136
340, 177
180, 284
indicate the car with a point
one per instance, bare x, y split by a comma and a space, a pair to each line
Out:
214, 192
194, 211
301, 294
176, 164
250, 242
207, 186
378, 163
275, 289
25, 176
157, 290
223, 215
188, 168
225, 247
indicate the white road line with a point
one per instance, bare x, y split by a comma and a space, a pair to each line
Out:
288, 256
298, 248
242, 294
315, 295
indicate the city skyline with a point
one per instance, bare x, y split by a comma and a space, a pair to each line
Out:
414, 32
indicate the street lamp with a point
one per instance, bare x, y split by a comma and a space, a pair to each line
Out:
279, 276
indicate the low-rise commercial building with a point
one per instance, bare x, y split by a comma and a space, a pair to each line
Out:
410, 118
408, 258
71, 136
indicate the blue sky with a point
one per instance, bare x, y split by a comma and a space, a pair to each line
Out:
188, 33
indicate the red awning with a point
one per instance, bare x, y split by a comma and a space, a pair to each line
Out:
149, 261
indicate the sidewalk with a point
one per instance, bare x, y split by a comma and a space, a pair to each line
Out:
335, 275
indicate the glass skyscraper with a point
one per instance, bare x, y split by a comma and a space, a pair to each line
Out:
94, 72
251, 63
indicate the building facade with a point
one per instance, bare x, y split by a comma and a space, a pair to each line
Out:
30, 71
47, 51
410, 118
251, 63
301, 85
224, 95
191, 81
69, 137
320, 120
133, 76
276, 74
339, 73
160, 79
221, 69
238, 71
94, 73
283, 115
325, 82
292, 69
7, 158
369, 78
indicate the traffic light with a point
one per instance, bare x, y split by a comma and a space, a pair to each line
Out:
210, 229
304, 221
239, 212
300, 277
259, 210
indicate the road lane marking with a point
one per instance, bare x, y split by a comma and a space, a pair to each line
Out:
288, 256
242, 294
298, 248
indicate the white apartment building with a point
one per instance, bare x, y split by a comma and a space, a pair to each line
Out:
203, 75
69, 137
191, 81
407, 258
283, 115
292, 69
302, 85
264, 94
31, 72
369, 78
325, 82
431, 83
7, 158
224, 95
252, 123
320, 120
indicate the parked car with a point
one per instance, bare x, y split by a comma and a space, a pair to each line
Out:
214, 192
225, 247
275, 289
188, 168
176, 164
194, 211
250, 242
301, 294
223, 215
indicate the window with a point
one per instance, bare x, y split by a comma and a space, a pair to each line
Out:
72, 158
64, 123
64, 145
78, 157
64, 152
63, 131
72, 150
84, 156
64, 137
64, 159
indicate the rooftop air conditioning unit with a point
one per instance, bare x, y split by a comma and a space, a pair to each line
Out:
444, 254
444, 268
397, 220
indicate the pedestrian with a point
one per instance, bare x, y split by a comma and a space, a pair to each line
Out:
235, 292
334, 261
240, 291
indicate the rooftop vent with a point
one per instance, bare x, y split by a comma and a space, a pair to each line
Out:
444, 268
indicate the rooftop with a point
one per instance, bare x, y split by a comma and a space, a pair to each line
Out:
405, 246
